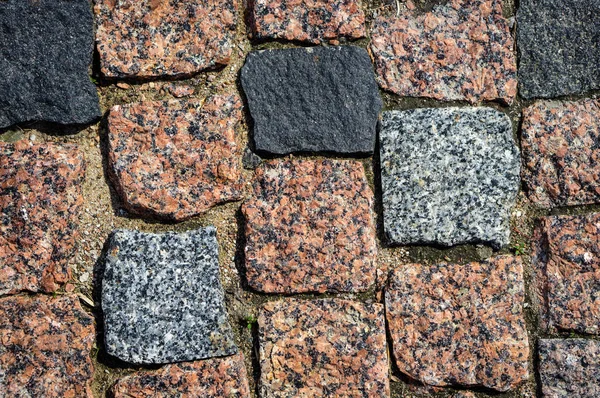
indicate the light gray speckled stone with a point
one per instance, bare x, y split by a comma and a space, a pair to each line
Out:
449, 176
162, 298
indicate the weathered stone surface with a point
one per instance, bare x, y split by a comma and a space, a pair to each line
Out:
464, 394
147, 38
449, 176
566, 258
310, 228
460, 50
312, 99
460, 324
210, 378
45, 52
162, 298
322, 348
40, 200
45, 345
570, 368
312, 21
558, 46
175, 159
561, 161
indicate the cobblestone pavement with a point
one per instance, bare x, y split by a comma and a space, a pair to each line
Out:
300, 198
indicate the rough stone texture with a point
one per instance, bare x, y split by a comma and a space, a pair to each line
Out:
176, 159
162, 298
148, 38
449, 176
310, 228
45, 346
464, 394
558, 46
40, 200
460, 324
312, 99
312, 21
566, 258
560, 154
322, 348
210, 378
570, 368
45, 51
460, 50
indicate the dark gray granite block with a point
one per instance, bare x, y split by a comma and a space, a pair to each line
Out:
162, 298
321, 99
45, 52
559, 47
449, 176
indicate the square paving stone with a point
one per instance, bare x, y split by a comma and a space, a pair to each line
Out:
310, 228
209, 378
45, 52
311, 21
455, 324
460, 50
162, 298
566, 258
561, 159
175, 159
449, 176
45, 346
322, 348
40, 202
321, 99
558, 47
570, 368
149, 38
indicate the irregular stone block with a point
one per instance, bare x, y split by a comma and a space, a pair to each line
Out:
460, 324
449, 176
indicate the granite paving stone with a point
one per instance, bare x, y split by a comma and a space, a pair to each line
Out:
176, 159
150, 38
322, 348
40, 202
45, 346
321, 99
45, 52
558, 47
313, 21
570, 368
449, 176
460, 50
310, 227
209, 378
162, 298
454, 324
566, 258
560, 154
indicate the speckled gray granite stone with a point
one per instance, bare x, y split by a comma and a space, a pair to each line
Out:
162, 298
449, 176
558, 46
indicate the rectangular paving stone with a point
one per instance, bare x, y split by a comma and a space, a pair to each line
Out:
321, 99
560, 154
449, 176
175, 159
162, 298
460, 50
566, 258
322, 348
40, 202
149, 38
455, 324
570, 368
558, 47
45, 346
310, 228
